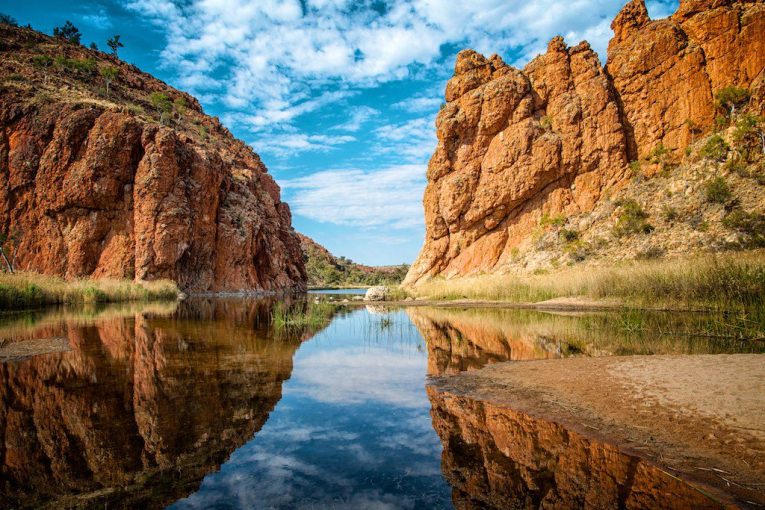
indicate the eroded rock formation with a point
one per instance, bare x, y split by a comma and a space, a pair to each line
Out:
556, 137
495, 457
104, 186
141, 408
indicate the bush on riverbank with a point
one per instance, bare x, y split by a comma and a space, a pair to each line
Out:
27, 290
724, 280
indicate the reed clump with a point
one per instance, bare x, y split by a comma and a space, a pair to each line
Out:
28, 290
721, 280
301, 316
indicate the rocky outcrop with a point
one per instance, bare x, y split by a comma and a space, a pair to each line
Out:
556, 138
105, 186
497, 457
141, 408
667, 72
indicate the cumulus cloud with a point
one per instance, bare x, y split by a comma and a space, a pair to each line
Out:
413, 140
275, 53
283, 145
389, 196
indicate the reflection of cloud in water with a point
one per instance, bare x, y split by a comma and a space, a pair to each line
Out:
353, 429
360, 375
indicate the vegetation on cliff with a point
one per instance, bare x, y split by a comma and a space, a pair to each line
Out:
325, 270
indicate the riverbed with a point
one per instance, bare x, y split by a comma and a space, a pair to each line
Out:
207, 404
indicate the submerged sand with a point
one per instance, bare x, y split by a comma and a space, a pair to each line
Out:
701, 416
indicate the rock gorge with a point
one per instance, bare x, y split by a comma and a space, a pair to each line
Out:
133, 181
557, 138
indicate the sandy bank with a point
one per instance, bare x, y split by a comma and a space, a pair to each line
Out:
700, 417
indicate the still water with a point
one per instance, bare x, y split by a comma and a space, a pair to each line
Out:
206, 404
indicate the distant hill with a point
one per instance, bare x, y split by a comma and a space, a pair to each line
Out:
326, 270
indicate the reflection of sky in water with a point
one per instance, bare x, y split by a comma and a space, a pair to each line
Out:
353, 292
352, 430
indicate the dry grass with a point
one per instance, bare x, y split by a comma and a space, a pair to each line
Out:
25, 290
728, 279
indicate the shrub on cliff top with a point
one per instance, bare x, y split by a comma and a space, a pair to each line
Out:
68, 32
114, 44
8, 20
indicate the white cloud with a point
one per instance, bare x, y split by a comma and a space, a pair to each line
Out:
390, 197
283, 145
414, 140
419, 104
356, 118
273, 54
98, 19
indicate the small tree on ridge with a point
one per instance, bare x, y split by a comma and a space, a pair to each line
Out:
68, 32
115, 44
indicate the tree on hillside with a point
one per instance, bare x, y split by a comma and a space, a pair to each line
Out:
109, 74
180, 105
115, 44
730, 97
162, 104
8, 20
93, 46
68, 32
14, 239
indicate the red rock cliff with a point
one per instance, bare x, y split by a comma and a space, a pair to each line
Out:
96, 185
556, 137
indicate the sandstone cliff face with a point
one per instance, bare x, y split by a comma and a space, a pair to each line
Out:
668, 71
141, 408
556, 138
96, 186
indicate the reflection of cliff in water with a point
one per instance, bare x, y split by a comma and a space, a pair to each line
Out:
498, 458
468, 339
460, 340
141, 408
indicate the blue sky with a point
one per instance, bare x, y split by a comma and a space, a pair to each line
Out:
339, 97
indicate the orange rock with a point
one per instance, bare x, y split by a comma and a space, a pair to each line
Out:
98, 191
555, 137
668, 71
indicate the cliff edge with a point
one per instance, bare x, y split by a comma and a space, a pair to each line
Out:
564, 148
106, 171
